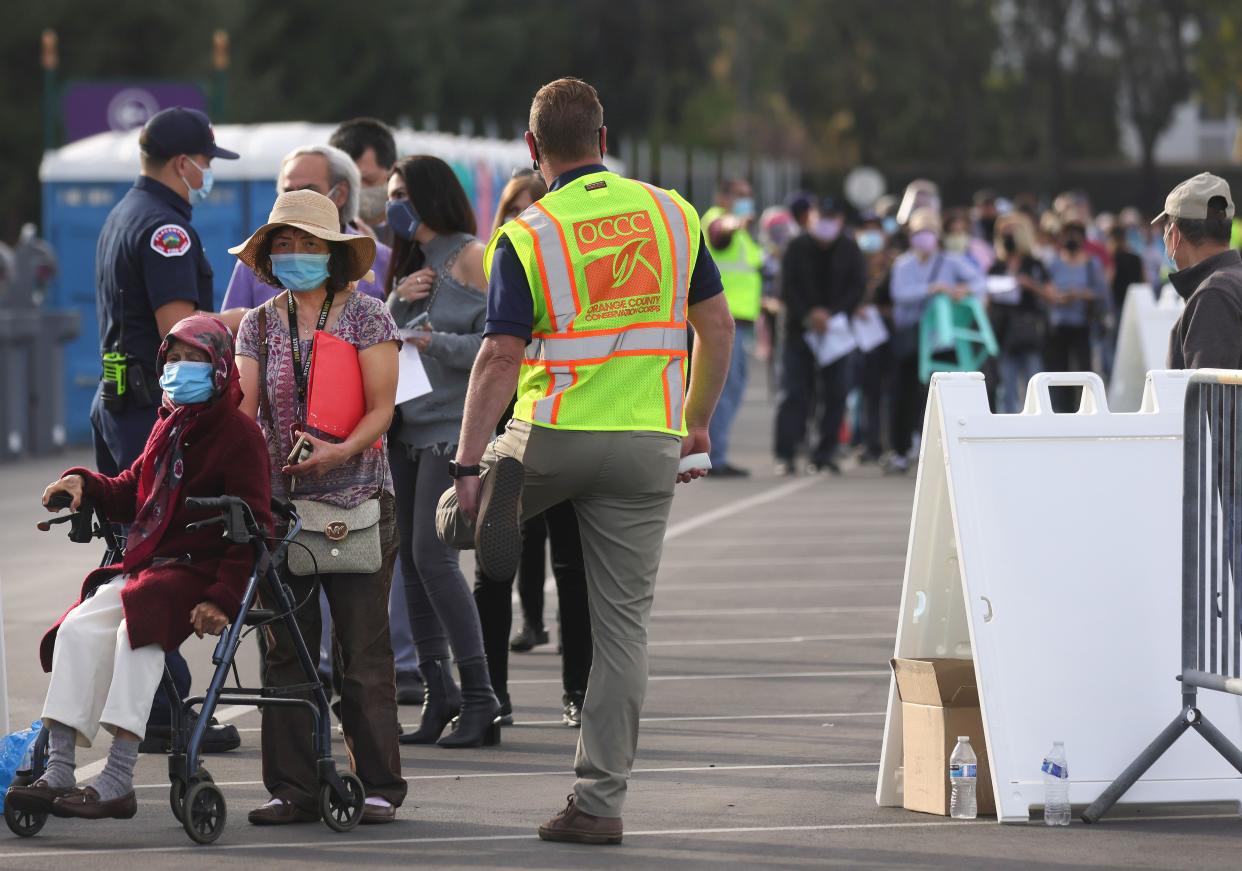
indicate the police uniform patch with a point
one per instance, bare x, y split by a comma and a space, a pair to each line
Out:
170, 241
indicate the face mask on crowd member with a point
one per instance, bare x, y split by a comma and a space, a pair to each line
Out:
744, 208
827, 228
188, 381
1073, 242
372, 203
1010, 243
402, 219
203, 191
924, 240
301, 272
870, 241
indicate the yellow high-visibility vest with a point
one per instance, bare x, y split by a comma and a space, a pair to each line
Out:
739, 263
609, 261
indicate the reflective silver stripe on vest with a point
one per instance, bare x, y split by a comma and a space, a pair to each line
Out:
674, 380
680, 240
559, 278
571, 349
562, 377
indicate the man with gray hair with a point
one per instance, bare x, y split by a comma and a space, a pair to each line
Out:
324, 170
1198, 218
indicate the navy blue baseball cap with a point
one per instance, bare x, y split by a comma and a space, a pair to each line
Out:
177, 130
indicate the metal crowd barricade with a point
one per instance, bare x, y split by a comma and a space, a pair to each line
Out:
1211, 562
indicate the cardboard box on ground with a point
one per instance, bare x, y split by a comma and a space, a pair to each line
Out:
939, 702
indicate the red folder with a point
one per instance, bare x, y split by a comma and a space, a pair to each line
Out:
334, 396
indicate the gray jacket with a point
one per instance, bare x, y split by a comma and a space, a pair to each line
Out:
457, 316
1208, 335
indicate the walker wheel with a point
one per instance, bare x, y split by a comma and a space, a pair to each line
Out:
205, 813
341, 816
25, 824
177, 789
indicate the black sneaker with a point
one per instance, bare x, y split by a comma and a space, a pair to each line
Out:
498, 530
786, 469
571, 716
728, 470
528, 638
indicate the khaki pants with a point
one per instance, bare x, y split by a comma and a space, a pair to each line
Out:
621, 485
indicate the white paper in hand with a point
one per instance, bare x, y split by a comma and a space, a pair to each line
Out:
868, 328
834, 343
694, 461
412, 381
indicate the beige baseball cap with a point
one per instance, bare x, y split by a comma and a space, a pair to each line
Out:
1190, 198
924, 218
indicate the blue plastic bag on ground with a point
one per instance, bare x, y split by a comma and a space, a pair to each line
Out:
14, 750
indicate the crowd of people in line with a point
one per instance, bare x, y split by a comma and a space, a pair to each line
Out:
1051, 277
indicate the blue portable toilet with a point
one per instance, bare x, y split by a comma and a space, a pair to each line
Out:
82, 181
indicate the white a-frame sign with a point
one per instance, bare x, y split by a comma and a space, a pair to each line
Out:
1047, 547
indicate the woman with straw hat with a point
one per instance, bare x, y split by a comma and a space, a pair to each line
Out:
302, 251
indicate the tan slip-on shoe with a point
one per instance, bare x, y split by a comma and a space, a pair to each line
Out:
572, 826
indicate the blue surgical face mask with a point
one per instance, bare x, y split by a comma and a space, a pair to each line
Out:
188, 382
870, 241
744, 207
198, 195
402, 219
300, 272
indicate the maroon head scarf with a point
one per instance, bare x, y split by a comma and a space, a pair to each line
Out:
163, 468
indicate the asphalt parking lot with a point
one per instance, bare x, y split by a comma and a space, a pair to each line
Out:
773, 624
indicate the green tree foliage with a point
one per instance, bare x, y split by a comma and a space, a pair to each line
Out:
944, 84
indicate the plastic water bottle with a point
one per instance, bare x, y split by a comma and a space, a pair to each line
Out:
1056, 786
963, 766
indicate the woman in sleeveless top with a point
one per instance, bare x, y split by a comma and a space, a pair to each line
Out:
437, 297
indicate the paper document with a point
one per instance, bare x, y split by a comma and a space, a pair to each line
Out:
834, 343
868, 328
412, 379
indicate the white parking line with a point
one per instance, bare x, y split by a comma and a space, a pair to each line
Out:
708, 518
561, 772
761, 586
771, 561
753, 612
767, 675
789, 639
828, 537
707, 718
358, 845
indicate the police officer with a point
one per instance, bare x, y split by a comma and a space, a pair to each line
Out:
600, 277
150, 272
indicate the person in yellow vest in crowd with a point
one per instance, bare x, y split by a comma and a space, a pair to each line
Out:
740, 260
590, 291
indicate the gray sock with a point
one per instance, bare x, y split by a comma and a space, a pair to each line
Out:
117, 778
61, 755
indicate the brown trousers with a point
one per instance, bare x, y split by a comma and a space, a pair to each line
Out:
359, 608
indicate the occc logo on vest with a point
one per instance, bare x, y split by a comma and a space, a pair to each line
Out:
622, 256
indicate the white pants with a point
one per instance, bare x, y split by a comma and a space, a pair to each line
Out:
97, 678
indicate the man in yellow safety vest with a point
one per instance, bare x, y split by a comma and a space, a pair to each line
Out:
590, 292
740, 259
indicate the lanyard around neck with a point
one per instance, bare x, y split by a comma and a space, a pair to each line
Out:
302, 372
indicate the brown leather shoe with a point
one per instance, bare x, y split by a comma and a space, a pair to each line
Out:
36, 798
374, 814
84, 803
279, 813
573, 826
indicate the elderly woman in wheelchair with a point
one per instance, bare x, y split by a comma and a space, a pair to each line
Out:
106, 653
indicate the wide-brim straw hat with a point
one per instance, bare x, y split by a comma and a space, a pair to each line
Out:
317, 215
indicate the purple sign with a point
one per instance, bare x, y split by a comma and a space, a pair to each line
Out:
96, 107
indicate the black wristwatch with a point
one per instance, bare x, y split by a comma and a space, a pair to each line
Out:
457, 470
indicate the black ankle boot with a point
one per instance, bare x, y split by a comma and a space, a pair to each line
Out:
441, 702
479, 723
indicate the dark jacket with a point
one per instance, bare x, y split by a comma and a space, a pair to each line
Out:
1208, 335
226, 456
813, 275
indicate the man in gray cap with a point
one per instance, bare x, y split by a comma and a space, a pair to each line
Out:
1196, 238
